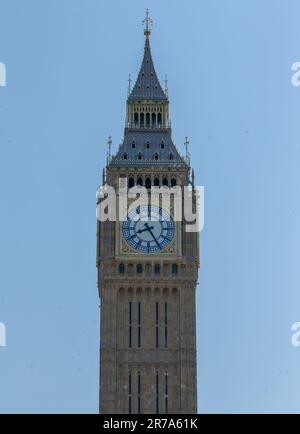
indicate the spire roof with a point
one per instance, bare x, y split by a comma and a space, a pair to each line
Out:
147, 84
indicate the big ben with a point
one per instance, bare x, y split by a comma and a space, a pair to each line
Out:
147, 265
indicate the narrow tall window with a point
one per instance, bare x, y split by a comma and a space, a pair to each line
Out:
139, 393
166, 392
174, 269
129, 393
139, 324
156, 325
131, 182
166, 325
130, 325
157, 393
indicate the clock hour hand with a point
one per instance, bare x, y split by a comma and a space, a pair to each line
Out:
144, 230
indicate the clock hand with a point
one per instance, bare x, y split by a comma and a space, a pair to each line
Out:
143, 230
149, 228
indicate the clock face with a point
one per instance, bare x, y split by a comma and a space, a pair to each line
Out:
148, 229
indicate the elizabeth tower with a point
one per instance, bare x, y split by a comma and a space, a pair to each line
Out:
147, 266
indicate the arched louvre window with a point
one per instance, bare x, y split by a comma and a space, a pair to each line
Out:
142, 119
131, 182
148, 183
159, 119
153, 119
148, 119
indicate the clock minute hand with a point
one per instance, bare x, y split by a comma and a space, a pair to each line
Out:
148, 228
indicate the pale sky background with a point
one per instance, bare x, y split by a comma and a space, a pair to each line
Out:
229, 68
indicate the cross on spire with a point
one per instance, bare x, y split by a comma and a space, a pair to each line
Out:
147, 23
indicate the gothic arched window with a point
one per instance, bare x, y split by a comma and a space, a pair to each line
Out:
171, 156
139, 181
148, 119
148, 183
136, 118
139, 156
122, 268
142, 119
153, 119
131, 182
162, 144
156, 182
156, 156
173, 182
125, 156
159, 119
165, 181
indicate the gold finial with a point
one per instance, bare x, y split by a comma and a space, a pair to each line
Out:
147, 23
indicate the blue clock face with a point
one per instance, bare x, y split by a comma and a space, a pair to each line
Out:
148, 229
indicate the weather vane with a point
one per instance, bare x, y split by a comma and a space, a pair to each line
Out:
147, 23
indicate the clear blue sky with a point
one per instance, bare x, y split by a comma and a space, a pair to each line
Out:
229, 67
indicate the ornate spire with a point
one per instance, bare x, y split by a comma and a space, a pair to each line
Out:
147, 84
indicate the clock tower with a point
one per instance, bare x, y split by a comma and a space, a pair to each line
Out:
147, 264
